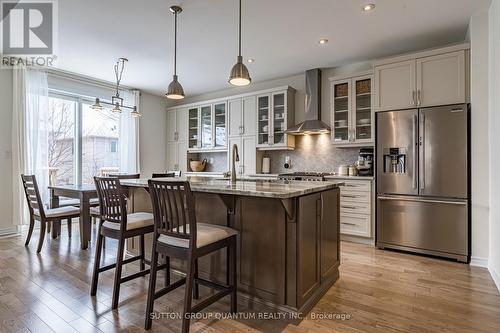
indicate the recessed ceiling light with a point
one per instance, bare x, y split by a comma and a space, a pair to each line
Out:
323, 41
251, 60
368, 7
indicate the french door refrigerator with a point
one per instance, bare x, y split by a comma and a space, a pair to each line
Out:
423, 181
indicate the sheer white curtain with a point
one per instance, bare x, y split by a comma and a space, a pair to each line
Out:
129, 134
29, 135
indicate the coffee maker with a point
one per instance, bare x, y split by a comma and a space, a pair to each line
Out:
365, 162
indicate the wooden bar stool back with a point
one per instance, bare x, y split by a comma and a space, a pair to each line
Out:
45, 216
116, 223
177, 235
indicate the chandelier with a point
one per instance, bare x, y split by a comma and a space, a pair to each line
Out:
116, 100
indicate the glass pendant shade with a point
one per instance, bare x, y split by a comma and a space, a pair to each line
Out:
117, 108
135, 113
175, 90
97, 105
239, 74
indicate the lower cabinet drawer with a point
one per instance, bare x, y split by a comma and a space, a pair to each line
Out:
356, 185
347, 207
361, 197
354, 224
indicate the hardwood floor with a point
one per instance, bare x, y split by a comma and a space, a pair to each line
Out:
378, 291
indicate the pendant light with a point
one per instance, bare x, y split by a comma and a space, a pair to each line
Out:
175, 90
239, 73
116, 100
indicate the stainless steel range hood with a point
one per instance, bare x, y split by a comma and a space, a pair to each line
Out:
312, 123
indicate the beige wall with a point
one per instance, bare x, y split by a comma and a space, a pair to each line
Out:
494, 28
153, 134
478, 33
5, 151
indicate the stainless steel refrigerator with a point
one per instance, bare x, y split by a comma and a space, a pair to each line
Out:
423, 181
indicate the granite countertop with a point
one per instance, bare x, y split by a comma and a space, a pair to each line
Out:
278, 189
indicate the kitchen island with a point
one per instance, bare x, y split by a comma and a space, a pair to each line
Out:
288, 242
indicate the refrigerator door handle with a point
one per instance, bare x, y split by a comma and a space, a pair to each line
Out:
422, 151
415, 142
459, 203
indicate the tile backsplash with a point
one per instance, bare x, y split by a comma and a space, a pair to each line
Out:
313, 153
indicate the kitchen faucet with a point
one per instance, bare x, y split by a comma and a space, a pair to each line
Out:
236, 158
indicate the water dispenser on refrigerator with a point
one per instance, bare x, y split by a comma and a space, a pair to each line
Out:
395, 160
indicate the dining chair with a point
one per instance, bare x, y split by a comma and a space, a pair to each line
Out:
163, 175
45, 216
116, 223
178, 235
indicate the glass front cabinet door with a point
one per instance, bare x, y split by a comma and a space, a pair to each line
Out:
352, 113
207, 127
275, 114
220, 134
263, 112
193, 119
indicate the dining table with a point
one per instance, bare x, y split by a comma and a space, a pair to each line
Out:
84, 193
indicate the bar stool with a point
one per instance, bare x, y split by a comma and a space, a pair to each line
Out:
45, 216
177, 235
117, 224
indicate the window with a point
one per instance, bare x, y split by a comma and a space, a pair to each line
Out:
83, 142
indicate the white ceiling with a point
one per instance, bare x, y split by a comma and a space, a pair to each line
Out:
282, 35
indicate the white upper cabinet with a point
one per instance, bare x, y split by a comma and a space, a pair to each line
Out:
177, 125
352, 110
206, 126
235, 111
428, 78
395, 86
275, 114
242, 116
441, 79
249, 124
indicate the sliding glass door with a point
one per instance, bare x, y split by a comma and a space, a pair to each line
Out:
61, 128
82, 142
99, 141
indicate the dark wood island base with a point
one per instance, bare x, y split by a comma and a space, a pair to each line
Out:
288, 248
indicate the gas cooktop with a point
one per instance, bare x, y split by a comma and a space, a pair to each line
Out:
311, 176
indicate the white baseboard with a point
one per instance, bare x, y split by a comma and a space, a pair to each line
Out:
495, 276
479, 262
9, 231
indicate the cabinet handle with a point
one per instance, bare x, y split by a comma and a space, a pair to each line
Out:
348, 207
419, 93
412, 102
348, 196
242, 129
347, 223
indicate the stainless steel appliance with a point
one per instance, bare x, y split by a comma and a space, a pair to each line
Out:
423, 181
365, 162
312, 123
307, 176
